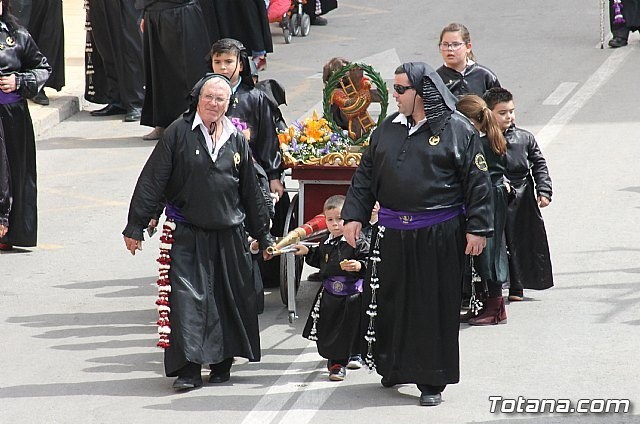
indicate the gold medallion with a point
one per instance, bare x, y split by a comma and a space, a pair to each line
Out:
481, 162
10, 41
434, 140
236, 159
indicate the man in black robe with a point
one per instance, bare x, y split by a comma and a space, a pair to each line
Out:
316, 8
203, 170
118, 41
44, 20
623, 20
426, 168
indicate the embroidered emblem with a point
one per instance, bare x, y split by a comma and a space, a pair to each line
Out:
236, 159
406, 219
434, 140
481, 162
337, 286
10, 41
197, 151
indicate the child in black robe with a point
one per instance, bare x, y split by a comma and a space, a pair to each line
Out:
334, 321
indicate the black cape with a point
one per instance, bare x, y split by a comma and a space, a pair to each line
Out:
214, 313
529, 260
32, 70
117, 39
338, 326
44, 20
326, 6
245, 21
175, 46
476, 79
420, 271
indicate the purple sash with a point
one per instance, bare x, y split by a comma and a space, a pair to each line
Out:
9, 98
399, 220
171, 211
341, 285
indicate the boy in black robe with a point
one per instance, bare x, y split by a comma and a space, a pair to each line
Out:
334, 320
529, 257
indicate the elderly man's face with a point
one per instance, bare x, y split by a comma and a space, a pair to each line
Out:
213, 101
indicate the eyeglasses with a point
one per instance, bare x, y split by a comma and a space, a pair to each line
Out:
217, 100
451, 46
400, 89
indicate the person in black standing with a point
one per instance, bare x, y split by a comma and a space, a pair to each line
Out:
624, 17
44, 20
316, 8
118, 41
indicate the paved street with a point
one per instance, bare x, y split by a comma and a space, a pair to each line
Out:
77, 313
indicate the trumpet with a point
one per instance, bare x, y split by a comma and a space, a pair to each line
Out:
314, 226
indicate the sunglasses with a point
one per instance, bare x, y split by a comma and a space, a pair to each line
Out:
400, 89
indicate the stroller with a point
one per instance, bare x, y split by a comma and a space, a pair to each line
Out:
291, 17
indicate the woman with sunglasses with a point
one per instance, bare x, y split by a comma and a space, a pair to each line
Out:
460, 72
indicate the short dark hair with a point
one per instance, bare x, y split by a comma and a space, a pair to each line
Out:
226, 45
496, 95
400, 70
334, 202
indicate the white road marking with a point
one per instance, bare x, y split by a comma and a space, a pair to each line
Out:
560, 93
550, 131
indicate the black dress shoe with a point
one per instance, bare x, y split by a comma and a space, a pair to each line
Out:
387, 382
132, 115
219, 378
186, 383
41, 98
319, 20
430, 400
616, 42
108, 110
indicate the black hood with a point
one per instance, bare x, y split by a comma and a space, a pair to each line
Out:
195, 91
439, 102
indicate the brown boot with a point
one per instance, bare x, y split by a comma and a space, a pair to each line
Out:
494, 312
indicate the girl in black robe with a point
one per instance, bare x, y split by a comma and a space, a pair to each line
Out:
24, 72
460, 72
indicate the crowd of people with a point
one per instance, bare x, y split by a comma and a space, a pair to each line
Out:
443, 211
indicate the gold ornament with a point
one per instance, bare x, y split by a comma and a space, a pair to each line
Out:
434, 140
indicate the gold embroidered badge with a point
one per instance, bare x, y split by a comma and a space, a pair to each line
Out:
10, 42
481, 162
434, 140
236, 159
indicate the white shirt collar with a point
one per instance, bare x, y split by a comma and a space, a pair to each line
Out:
227, 130
402, 119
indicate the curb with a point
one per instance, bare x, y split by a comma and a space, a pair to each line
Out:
61, 107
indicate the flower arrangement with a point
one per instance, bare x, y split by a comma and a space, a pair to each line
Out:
307, 141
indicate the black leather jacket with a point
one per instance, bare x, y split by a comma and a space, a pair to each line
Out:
476, 79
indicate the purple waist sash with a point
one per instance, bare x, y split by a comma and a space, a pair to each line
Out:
171, 211
340, 285
399, 220
9, 98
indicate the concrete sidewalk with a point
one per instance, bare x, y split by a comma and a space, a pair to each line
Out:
70, 99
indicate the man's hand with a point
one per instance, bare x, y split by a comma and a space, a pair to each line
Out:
3, 230
352, 232
543, 201
276, 187
132, 244
475, 244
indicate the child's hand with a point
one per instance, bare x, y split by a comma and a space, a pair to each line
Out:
543, 201
301, 250
350, 265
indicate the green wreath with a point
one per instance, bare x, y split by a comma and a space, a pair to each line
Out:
332, 84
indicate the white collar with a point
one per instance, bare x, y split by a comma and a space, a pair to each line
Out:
403, 120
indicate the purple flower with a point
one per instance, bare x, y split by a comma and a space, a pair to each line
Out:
240, 125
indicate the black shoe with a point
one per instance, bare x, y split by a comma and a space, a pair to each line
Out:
616, 42
319, 20
430, 400
219, 378
186, 383
314, 277
387, 382
41, 98
108, 110
132, 115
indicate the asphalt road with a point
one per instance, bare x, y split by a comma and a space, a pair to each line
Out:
77, 312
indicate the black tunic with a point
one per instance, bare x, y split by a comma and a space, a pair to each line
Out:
325, 5
529, 260
631, 14
213, 299
338, 327
175, 45
420, 272
32, 70
117, 40
5, 188
476, 79
245, 21
44, 20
